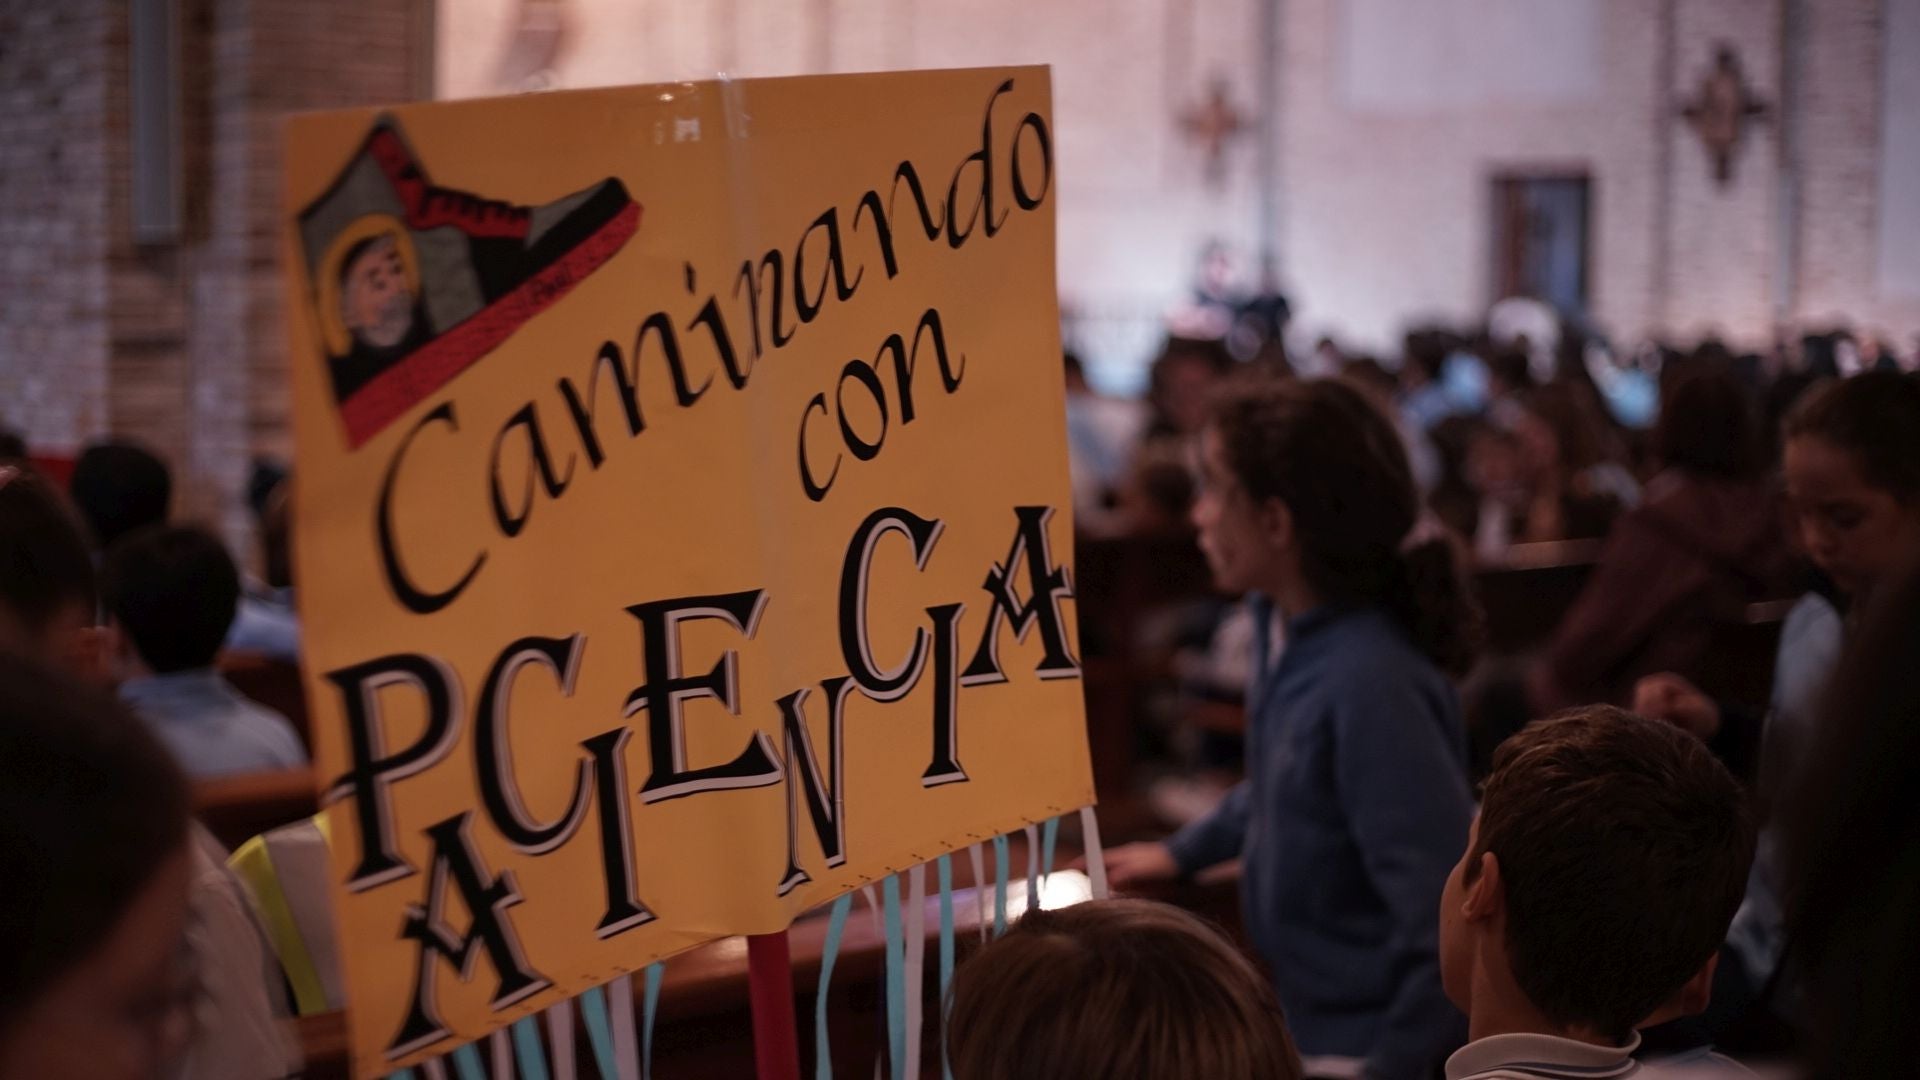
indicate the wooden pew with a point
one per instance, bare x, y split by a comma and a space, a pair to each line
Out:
238, 808
1525, 596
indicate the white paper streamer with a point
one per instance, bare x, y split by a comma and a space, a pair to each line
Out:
916, 965
560, 1040
1033, 869
626, 1042
979, 889
500, 1046
1096, 860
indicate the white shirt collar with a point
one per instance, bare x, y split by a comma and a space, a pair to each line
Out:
1546, 1056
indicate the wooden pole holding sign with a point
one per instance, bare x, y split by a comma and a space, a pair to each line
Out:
776, 1047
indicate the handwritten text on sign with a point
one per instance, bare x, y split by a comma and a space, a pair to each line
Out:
584, 698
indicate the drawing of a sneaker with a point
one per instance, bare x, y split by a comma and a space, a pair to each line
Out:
414, 282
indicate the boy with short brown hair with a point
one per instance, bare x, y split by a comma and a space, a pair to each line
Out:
1608, 857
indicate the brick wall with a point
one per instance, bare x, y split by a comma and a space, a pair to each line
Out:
179, 345
53, 218
1840, 199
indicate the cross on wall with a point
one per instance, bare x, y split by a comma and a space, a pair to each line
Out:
1213, 123
1720, 111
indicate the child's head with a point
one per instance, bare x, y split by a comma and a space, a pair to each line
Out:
1182, 382
172, 591
120, 487
1601, 875
47, 600
1306, 483
1120, 990
1707, 426
1852, 466
93, 833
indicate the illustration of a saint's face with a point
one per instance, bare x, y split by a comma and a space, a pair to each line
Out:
376, 303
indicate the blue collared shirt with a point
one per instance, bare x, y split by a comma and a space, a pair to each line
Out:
212, 729
1353, 813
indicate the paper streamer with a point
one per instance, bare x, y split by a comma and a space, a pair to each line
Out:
829, 952
560, 1040
433, 1069
873, 910
979, 890
1033, 870
527, 1051
466, 1062
1049, 833
896, 976
1096, 860
944, 868
650, 1004
626, 1047
501, 1050
999, 885
593, 1009
402, 1074
916, 965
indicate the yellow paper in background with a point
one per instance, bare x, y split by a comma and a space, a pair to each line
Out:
641, 434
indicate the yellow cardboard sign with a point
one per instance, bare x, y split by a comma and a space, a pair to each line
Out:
683, 523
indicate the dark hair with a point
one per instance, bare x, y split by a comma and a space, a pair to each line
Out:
174, 591
1848, 829
361, 247
120, 487
1510, 365
1624, 847
91, 805
13, 447
1426, 350
1569, 410
44, 565
1212, 355
1322, 449
1876, 418
1118, 989
1706, 425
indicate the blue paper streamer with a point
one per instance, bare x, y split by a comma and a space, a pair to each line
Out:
829, 951
593, 1011
999, 885
402, 1074
466, 1062
945, 867
1049, 833
527, 1051
649, 1004
896, 974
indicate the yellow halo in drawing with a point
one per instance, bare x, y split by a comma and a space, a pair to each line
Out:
333, 325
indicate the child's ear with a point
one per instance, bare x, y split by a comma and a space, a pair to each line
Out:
1487, 895
1691, 999
1276, 522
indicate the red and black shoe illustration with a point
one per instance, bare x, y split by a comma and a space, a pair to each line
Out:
414, 282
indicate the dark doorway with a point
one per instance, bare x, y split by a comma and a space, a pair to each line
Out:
1540, 238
